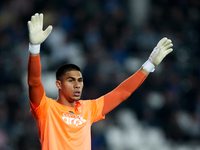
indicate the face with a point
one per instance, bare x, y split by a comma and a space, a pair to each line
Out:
71, 85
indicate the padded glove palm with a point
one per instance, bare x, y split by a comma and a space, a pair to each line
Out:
162, 49
35, 27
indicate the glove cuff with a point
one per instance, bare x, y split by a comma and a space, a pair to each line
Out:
148, 66
34, 49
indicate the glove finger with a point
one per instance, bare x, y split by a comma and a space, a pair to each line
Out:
167, 42
29, 26
168, 51
168, 46
48, 30
162, 41
41, 20
37, 19
33, 20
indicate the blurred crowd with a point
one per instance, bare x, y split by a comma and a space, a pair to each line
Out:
109, 40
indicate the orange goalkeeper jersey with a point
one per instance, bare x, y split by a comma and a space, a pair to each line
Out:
65, 128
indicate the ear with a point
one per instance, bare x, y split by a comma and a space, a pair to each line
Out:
58, 84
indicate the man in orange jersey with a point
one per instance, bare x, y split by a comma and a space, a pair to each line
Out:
65, 123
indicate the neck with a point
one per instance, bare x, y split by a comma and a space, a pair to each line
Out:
66, 102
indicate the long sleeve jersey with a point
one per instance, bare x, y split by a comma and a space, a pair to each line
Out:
61, 127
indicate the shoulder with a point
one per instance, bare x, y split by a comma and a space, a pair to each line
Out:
92, 101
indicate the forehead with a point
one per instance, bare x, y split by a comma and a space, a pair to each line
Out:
74, 73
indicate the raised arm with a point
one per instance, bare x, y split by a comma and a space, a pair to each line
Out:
36, 37
127, 87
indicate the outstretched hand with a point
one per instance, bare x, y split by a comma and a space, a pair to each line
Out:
163, 48
35, 27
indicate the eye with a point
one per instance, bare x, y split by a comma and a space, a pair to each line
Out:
80, 80
70, 80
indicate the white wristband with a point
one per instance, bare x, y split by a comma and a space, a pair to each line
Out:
34, 49
148, 66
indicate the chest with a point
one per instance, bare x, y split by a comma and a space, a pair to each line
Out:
69, 118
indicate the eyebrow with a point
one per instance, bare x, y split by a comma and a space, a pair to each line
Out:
75, 78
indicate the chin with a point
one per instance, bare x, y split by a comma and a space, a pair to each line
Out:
75, 99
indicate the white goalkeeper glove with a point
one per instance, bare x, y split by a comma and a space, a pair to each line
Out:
163, 48
36, 33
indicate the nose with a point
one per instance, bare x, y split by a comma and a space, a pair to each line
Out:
77, 84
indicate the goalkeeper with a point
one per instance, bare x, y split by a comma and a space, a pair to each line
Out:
65, 123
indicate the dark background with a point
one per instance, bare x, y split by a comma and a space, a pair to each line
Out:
109, 40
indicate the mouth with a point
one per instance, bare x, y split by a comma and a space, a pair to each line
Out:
77, 93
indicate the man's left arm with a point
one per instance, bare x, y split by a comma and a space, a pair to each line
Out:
127, 87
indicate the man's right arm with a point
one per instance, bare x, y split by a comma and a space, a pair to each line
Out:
36, 89
36, 37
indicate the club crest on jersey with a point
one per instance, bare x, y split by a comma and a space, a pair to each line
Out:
72, 119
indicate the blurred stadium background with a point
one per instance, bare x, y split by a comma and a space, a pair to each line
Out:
109, 40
